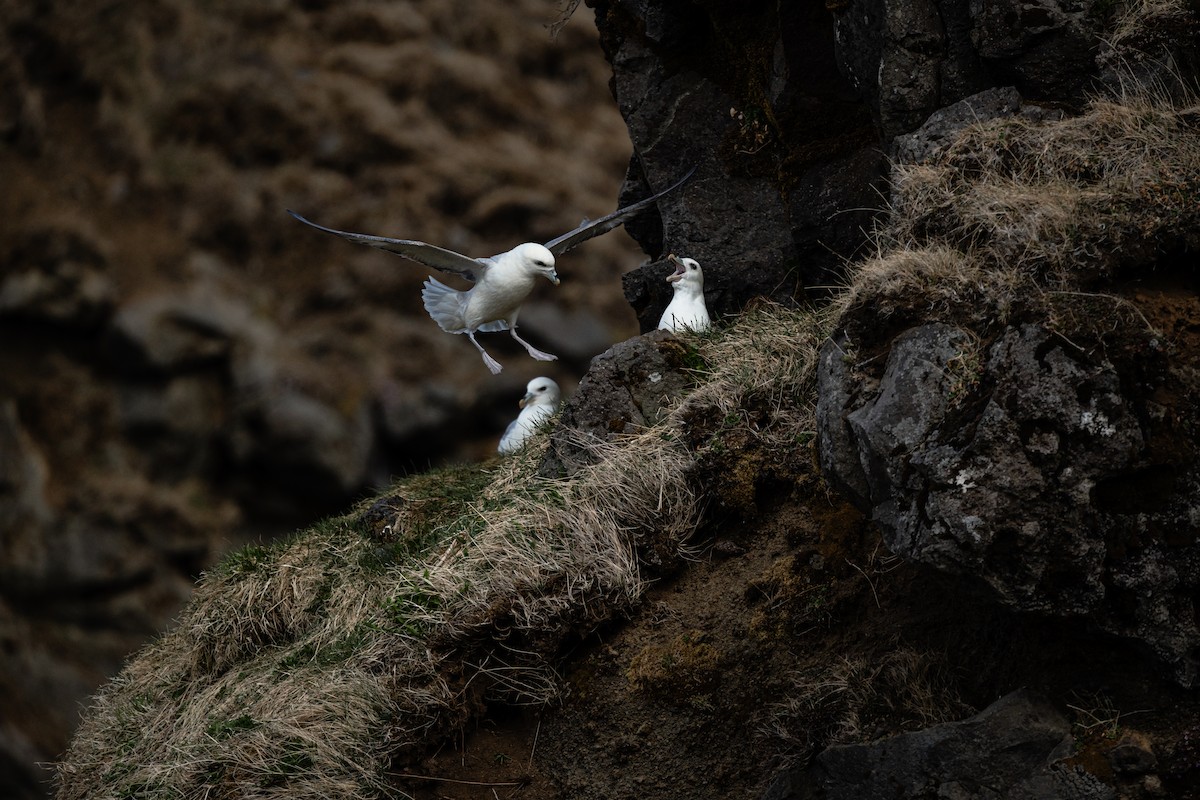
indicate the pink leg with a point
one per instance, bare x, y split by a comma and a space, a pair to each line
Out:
533, 351
491, 363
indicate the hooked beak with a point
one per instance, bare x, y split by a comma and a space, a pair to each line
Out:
553, 278
528, 395
680, 270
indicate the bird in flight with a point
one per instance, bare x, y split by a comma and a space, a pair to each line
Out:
501, 282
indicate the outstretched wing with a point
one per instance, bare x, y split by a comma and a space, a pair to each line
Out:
430, 255
595, 227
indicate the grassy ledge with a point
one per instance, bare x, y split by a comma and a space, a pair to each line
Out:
1019, 220
309, 666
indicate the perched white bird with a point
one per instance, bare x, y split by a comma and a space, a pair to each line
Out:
539, 404
502, 282
686, 309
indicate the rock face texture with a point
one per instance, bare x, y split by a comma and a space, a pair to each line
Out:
1026, 447
625, 390
1010, 750
1052, 474
911, 59
789, 164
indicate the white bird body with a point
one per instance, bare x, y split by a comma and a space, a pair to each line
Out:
687, 310
540, 403
502, 282
493, 303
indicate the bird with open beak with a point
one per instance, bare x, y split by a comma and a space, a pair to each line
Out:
687, 310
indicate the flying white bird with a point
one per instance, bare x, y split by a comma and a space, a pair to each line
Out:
687, 310
539, 404
502, 282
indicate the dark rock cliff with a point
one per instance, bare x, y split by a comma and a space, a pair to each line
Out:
791, 172
1041, 446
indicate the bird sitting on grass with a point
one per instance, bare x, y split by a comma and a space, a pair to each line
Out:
687, 310
502, 282
539, 404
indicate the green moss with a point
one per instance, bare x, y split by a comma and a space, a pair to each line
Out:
314, 655
248, 560
221, 729
408, 609
295, 760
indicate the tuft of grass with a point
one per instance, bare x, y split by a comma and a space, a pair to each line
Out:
861, 698
1059, 203
1020, 219
761, 377
1136, 23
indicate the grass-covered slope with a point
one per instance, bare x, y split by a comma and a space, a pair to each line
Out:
307, 668
303, 668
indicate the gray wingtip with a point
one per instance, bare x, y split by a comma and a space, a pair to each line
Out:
588, 230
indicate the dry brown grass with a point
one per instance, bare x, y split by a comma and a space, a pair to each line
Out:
1020, 216
861, 698
1134, 18
303, 668
759, 374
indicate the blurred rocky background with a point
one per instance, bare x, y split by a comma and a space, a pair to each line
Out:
184, 367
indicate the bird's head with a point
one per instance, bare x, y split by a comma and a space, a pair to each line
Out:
687, 270
537, 258
541, 392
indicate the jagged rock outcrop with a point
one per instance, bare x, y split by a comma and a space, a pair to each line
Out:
1042, 444
1055, 475
910, 59
940, 129
627, 388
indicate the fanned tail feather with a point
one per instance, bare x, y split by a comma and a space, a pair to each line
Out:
445, 305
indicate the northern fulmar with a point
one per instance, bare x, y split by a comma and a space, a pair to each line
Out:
539, 404
687, 310
502, 282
